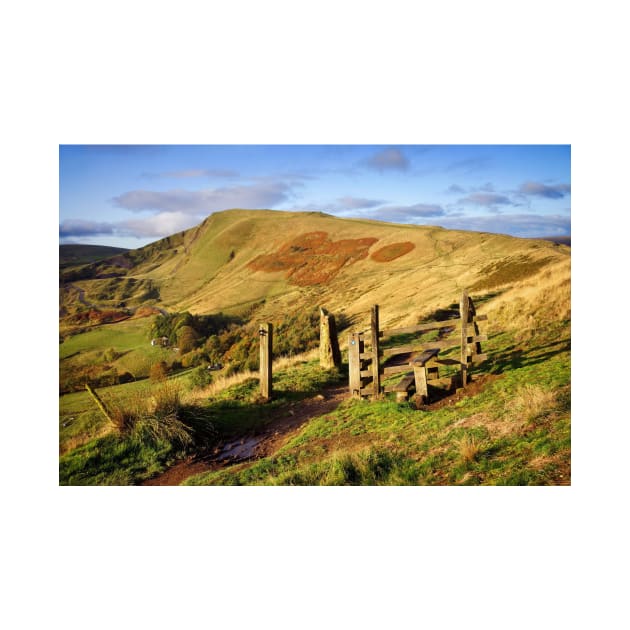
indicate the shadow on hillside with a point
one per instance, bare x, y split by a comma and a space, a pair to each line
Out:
515, 356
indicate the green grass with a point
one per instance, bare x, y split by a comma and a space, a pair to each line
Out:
385, 443
79, 419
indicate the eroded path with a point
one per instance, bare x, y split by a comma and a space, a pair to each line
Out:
287, 422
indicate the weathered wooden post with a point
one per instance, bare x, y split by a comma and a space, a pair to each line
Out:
100, 404
472, 313
265, 332
463, 313
355, 348
376, 376
329, 353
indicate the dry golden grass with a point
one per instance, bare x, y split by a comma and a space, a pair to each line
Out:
531, 402
540, 300
469, 448
223, 382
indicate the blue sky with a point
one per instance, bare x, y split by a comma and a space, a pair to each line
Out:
131, 195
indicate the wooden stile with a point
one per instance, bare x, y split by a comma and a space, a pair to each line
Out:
423, 370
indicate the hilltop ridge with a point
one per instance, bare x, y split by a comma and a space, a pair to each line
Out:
284, 261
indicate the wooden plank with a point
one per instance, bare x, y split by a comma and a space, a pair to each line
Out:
395, 369
448, 362
365, 373
265, 333
365, 355
427, 355
479, 358
376, 377
430, 345
463, 313
404, 384
354, 363
428, 326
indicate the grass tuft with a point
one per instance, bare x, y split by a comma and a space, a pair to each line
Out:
532, 403
469, 448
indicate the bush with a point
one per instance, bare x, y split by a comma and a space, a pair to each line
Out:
158, 372
110, 355
201, 377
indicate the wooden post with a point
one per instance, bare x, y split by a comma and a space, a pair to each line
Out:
420, 376
472, 311
99, 403
376, 376
329, 354
463, 314
354, 363
265, 331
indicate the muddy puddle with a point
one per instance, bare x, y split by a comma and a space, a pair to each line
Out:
241, 449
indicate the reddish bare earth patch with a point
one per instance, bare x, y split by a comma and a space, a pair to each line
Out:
313, 258
391, 252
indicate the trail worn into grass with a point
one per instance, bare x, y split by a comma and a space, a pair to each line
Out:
288, 420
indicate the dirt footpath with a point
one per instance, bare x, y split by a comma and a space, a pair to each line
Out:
288, 421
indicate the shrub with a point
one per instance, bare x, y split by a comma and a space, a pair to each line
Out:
110, 355
158, 372
201, 377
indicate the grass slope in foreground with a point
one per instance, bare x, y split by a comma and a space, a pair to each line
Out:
514, 431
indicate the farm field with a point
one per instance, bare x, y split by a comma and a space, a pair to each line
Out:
194, 426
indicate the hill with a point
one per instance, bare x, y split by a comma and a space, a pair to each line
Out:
205, 289
237, 259
81, 254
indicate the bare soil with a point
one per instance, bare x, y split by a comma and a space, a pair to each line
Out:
286, 423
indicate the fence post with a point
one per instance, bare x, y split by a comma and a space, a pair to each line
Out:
472, 312
265, 331
376, 376
354, 364
463, 314
329, 354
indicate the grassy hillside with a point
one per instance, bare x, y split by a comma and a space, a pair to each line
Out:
513, 426
82, 254
227, 264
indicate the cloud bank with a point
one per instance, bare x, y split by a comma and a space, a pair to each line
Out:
388, 159
557, 191
263, 194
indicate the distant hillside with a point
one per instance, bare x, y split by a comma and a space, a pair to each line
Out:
560, 240
284, 262
83, 254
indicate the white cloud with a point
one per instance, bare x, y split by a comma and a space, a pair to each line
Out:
388, 159
264, 194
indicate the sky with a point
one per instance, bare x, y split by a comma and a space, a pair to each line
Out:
131, 195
